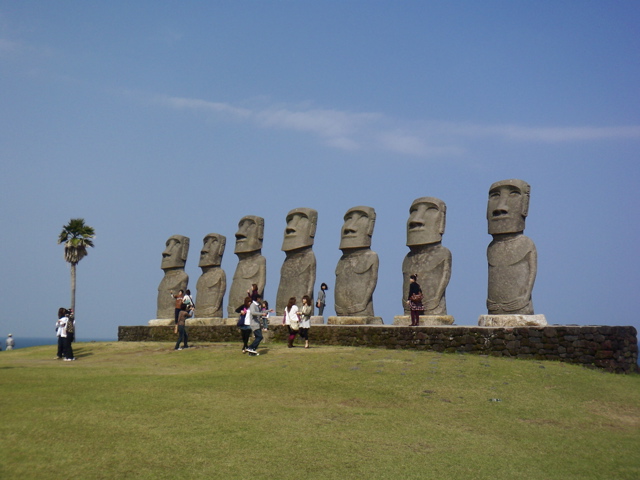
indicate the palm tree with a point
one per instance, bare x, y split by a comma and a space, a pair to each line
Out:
76, 237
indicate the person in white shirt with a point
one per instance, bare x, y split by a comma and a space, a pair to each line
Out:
256, 324
64, 336
10, 342
59, 327
291, 320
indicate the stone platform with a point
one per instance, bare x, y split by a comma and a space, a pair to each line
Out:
611, 348
355, 321
425, 320
163, 322
512, 321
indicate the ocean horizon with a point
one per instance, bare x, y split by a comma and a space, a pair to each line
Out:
26, 342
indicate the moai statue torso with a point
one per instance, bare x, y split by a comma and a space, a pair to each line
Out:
252, 266
357, 269
427, 258
512, 256
174, 259
298, 273
212, 284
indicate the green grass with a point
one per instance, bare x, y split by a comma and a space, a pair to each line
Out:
142, 410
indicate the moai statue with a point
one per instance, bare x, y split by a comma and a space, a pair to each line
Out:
252, 266
427, 257
512, 256
174, 259
298, 273
212, 284
357, 269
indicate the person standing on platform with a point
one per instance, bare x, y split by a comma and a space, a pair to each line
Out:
322, 298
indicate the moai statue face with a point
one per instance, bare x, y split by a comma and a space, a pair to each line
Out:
427, 218
249, 235
358, 227
508, 206
212, 250
175, 253
300, 230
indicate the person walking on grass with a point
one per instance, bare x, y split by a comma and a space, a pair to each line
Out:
244, 323
182, 329
256, 324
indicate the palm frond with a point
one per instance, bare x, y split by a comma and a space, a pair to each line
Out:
77, 237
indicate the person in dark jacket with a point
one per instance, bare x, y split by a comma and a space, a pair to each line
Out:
415, 300
182, 329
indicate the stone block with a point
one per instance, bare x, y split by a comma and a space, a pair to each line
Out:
425, 320
161, 322
355, 321
205, 321
512, 320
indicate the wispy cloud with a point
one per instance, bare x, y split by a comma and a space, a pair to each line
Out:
354, 131
337, 129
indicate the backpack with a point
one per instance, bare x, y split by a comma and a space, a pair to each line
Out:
188, 301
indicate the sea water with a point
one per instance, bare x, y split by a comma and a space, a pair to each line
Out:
25, 342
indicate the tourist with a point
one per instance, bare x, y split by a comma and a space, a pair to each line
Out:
253, 293
64, 329
178, 306
188, 301
182, 328
10, 342
415, 300
255, 324
59, 324
264, 308
291, 320
244, 322
305, 319
322, 298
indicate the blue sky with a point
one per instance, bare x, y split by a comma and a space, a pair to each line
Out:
150, 119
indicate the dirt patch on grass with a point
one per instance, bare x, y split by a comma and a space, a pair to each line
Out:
620, 416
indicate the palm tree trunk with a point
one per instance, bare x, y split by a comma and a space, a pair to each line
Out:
73, 287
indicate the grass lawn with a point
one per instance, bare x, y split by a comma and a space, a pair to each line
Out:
143, 410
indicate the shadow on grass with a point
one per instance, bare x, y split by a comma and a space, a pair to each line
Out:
82, 352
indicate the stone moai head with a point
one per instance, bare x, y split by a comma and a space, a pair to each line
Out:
427, 219
508, 206
213, 245
301, 229
175, 253
358, 227
250, 234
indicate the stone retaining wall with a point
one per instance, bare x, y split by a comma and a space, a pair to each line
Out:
614, 349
